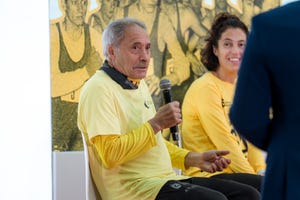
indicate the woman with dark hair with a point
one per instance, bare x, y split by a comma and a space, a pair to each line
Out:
206, 104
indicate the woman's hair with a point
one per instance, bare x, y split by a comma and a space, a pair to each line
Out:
221, 23
114, 32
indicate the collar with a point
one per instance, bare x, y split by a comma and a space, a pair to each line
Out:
118, 77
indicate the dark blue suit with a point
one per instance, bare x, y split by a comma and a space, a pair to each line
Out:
270, 77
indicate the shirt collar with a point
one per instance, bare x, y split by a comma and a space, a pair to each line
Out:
118, 77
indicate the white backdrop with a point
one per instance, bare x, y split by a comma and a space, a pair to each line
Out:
25, 135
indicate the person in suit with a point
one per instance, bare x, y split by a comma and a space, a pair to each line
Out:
269, 81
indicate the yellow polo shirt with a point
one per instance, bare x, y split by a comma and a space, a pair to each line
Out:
127, 160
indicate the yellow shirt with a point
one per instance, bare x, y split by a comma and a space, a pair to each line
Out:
127, 160
206, 126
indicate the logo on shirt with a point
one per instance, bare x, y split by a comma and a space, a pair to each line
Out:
148, 103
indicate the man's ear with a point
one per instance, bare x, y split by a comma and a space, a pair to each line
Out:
111, 51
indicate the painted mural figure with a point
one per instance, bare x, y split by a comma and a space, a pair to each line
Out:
190, 33
250, 8
103, 15
74, 58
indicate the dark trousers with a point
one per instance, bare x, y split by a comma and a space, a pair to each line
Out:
222, 188
249, 179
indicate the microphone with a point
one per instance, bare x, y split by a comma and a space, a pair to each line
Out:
165, 86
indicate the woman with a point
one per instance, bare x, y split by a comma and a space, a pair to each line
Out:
205, 108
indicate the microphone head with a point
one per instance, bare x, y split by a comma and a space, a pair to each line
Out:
165, 84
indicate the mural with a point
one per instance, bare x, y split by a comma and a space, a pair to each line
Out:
177, 29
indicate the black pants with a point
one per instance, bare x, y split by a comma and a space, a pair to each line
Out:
249, 179
207, 189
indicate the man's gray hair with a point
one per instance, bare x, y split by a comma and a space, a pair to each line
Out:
113, 34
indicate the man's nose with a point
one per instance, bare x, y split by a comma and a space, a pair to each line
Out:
145, 54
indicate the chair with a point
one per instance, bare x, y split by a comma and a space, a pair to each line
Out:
90, 190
